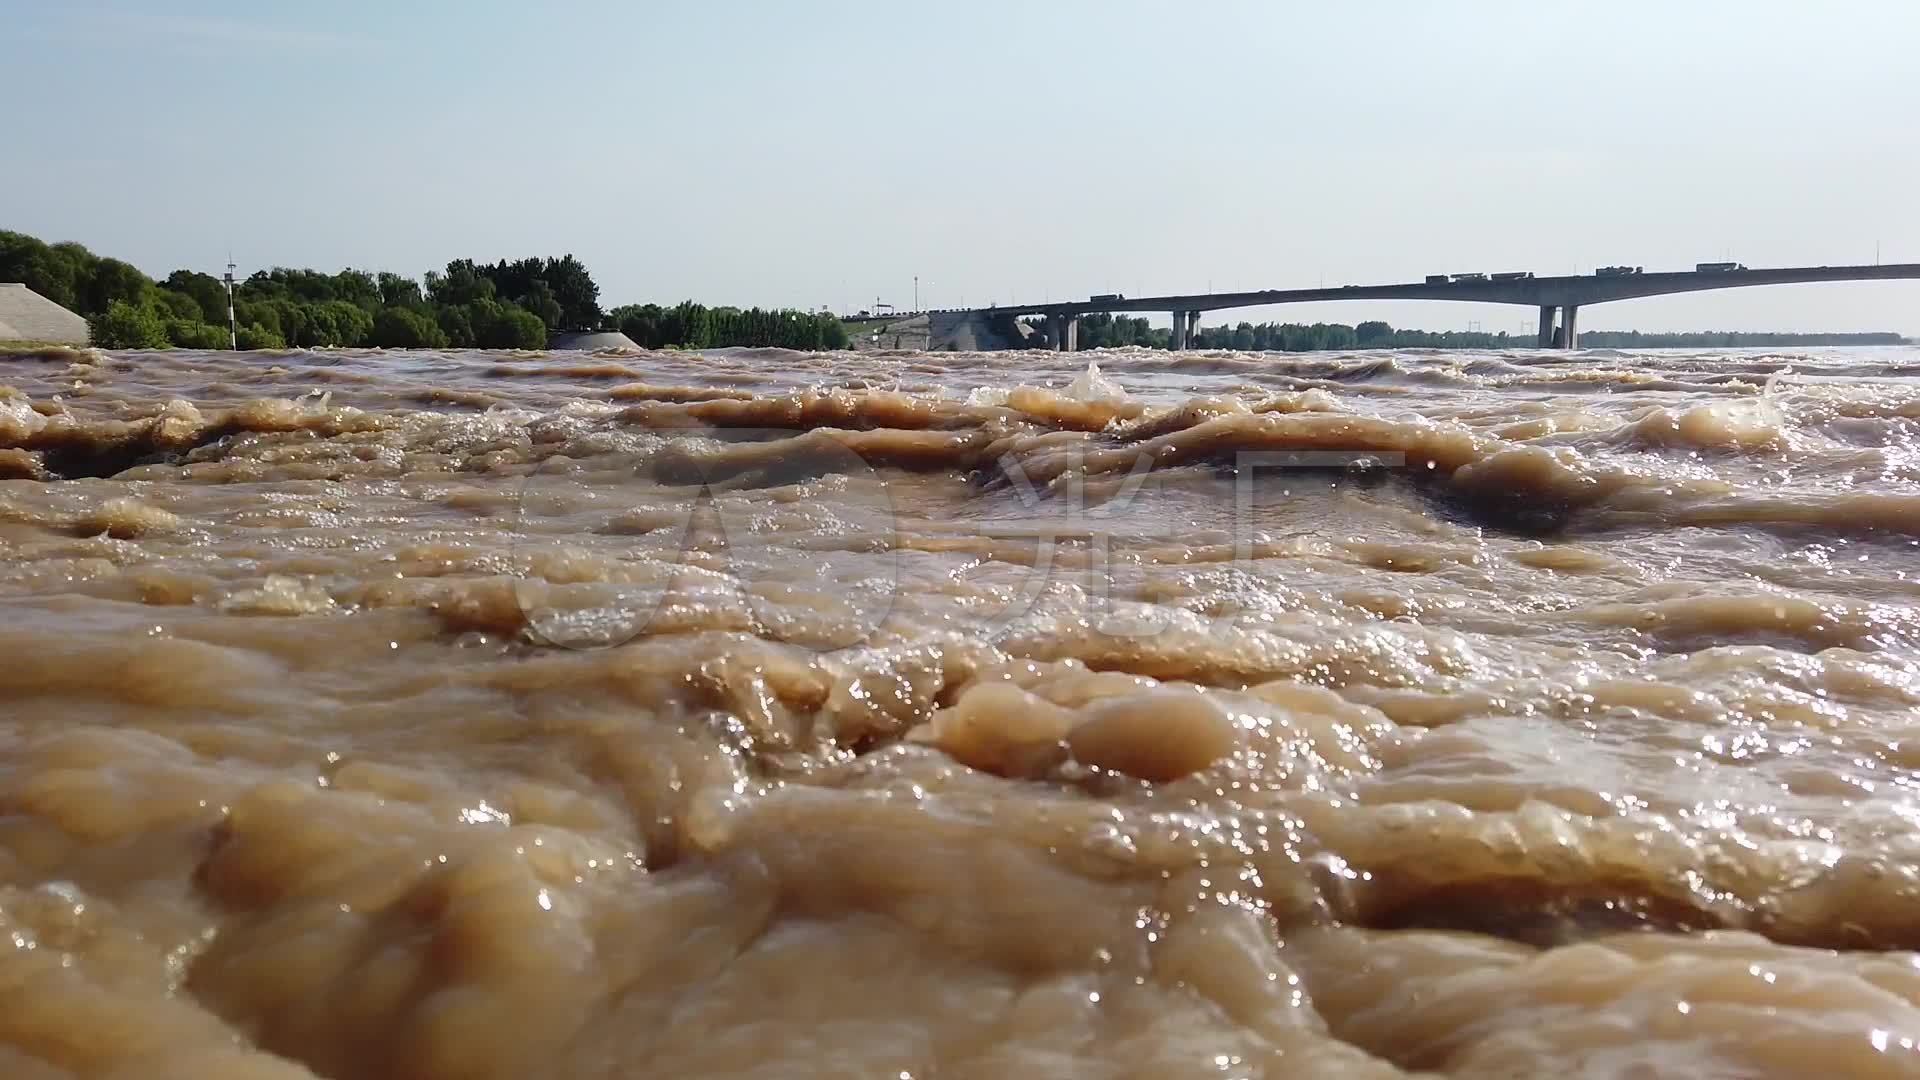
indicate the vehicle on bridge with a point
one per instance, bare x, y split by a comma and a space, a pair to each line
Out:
1717, 268
1438, 279
1517, 275
1103, 297
1469, 277
1616, 271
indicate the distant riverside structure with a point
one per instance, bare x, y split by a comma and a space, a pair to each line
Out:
1559, 299
25, 315
589, 341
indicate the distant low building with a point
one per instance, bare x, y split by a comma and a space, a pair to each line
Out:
591, 341
25, 315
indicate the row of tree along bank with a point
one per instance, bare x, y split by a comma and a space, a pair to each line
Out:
516, 305
1111, 331
504, 305
696, 326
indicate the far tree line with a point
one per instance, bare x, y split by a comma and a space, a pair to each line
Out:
696, 326
518, 304
503, 305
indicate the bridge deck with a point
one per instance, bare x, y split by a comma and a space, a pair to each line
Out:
1532, 292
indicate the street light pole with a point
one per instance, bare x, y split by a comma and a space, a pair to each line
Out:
916, 292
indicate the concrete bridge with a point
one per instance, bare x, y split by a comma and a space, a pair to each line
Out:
1553, 296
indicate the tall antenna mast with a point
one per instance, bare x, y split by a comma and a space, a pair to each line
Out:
233, 327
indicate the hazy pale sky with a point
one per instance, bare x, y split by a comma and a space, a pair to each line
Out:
801, 154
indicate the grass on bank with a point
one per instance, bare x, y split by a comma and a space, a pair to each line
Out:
36, 346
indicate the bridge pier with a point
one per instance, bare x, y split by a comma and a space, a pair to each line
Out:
1564, 336
1063, 333
1179, 340
1193, 326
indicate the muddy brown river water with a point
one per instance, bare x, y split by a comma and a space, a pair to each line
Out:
910, 716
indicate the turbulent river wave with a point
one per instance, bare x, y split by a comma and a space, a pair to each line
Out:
915, 715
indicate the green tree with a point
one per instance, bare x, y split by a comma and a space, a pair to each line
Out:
309, 326
111, 280
265, 313
573, 287
402, 328
397, 291
193, 334
691, 325
513, 279
457, 325
484, 316
354, 323
256, 336
357, 287
461, 283
79, 263
128, 326
508, 304
301, 285
504, 326
539, 300
560, 291
512, 328
332, 324
207, 291
46, 270
641, 322
179, 306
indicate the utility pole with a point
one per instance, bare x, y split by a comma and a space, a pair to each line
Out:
916, 292
233, 327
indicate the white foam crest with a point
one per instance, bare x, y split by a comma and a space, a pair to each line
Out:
18, 415
1093, 386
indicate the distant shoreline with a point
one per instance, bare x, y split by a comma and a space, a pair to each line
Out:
971, 331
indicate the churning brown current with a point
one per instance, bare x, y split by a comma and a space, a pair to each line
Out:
945, 715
